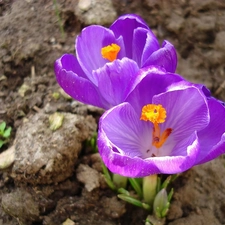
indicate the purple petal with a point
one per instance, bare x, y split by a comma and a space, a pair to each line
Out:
122, 125
115, 80
88, 48
75, 84
69, 62
135, 20
150, 81
204, 89
187, 111
165, 57
124, 26
122, 134
144, 44
177, 163
212, 138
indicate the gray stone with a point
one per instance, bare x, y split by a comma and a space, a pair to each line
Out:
96, 12
89, 177
43, 156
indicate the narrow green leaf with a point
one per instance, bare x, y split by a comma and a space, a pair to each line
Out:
119, 181
133, 201
146, 206
1, 143
158, 184
148, 222
94, 142
123, 191
2, 127
108, 178
170, 195
158, 212
174, 177
7, 132
136, 186
166, 182
165, 210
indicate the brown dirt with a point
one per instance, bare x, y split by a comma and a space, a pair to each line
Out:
30, 42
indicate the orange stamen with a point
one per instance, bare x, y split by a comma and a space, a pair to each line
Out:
156, 114
110, 52
158, 142
153, 113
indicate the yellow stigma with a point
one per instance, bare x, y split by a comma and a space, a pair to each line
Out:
156, 114
153, 113
110, 52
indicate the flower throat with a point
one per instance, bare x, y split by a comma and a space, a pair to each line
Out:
156, 114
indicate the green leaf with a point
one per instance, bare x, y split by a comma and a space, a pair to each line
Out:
136, 186
174, 177
2, 127
1, 143
158, 187
165, 210
133, 201
166, 182
119, 181
93, 142
108, 178
170, 195
7, 132
123, 191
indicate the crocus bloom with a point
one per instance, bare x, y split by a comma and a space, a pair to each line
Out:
108, 59
166, 126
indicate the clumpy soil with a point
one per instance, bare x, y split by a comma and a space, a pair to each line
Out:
56, 178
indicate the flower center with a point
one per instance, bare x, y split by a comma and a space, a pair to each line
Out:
110, 52
156, 114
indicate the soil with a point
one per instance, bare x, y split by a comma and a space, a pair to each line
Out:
56, 178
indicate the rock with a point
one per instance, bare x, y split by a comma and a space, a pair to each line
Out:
113, 207
68, 222
219, 42
88, 176
43, 156
21, 205
7, 158
96, 162
96, 12
84, 5
204, 26
175, 23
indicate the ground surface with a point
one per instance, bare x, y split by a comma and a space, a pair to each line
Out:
32, 191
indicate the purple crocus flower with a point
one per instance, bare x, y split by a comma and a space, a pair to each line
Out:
166, 126
107, 61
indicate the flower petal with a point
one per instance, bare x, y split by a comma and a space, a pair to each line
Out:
212, 138
124, 26
165, 57
144, 44
122, 125
187, 111
69, 62
76, 85
183, 156
121, 135
150, 81
88, 48
115, 80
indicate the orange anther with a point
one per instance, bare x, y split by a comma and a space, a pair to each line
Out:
110, 52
